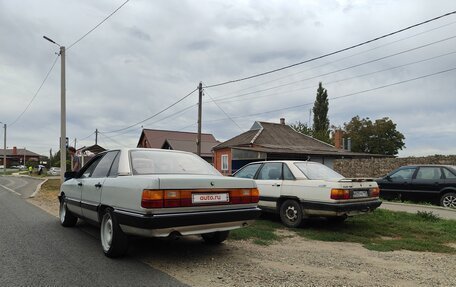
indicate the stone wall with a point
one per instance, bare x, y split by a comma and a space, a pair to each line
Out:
381, 166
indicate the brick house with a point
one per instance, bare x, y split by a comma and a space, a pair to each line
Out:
185, 141
20, 156
273, 141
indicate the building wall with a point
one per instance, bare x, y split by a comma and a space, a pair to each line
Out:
218, 160
378, 167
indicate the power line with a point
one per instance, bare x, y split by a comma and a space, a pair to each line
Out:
230, 99
344, 96
169, 116
160, 112
342, 69
113, 140
36, 93
332, 53
91, 30
228, 116
341, 59
86, 137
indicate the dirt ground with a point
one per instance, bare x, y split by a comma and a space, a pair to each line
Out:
294, 261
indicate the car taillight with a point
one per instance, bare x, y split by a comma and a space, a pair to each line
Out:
244, 195
337, 193
152, 198
375, 192
183, 197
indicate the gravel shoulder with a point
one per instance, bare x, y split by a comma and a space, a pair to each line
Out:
294, 261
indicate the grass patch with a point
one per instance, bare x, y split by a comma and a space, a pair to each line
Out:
49, 190
386, 230
262, 232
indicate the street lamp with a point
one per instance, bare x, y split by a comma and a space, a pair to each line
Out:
4, 148
62, 111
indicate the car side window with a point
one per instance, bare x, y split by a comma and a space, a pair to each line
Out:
448, 174
403, 173
87, 171
271, 171
248, 171
429, 173
103, 167
115, 166
287, 175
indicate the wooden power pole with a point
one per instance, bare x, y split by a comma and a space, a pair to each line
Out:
200, 107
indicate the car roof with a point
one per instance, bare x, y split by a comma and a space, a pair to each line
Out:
429, 165
286, 161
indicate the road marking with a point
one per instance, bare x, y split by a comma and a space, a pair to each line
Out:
9, 189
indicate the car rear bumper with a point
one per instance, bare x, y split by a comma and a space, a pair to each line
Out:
161, 221
340, 208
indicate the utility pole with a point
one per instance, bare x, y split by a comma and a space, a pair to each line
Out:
50, 158
200, 108
4, 149
25, 151
96, 136
62, 111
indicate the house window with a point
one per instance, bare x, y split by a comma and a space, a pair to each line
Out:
224, 162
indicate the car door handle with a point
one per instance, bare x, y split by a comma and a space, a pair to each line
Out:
276, 184
80, 184
98, 185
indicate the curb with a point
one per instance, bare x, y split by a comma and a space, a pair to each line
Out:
38, 188
419, 206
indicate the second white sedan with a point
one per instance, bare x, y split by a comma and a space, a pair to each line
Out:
301, 189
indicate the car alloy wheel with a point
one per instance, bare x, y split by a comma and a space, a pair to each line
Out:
67, 219
449, 200
106, 232
291, 213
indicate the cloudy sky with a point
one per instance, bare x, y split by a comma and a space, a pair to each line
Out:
151, 54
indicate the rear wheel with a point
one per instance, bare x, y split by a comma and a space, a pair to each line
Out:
67, 219
291, 213
448, 200
215, 237
113, 240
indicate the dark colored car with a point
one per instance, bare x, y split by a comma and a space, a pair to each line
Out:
430, 183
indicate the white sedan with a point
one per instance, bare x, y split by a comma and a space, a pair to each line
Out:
301, 189
156, 193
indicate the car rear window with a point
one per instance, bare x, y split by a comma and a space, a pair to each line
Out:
162, 162
317, 171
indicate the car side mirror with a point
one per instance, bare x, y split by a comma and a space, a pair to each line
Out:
388, 178
70, 174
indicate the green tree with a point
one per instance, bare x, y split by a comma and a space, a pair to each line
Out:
320, 111
378, 137
301, 128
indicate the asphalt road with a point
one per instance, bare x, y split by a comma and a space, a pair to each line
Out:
442, 212
36, 251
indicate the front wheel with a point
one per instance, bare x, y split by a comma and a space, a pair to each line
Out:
67, 219
448, 200
215, 237
291, 213
113, 240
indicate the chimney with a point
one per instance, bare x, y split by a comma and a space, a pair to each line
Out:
282, 121
338, 139
14, 150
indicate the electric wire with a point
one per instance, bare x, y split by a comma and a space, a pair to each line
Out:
98, 25
223, 111
341, 59
332, 53
232, 99
36, 93
84, 138
154, 115
113, 140
343, 96
226, 99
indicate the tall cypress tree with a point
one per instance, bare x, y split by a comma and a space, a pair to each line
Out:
320, 118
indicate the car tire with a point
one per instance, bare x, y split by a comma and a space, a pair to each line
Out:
448, 200
215, 237
291, 213
67, 219
113, 241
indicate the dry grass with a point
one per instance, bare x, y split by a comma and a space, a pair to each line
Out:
46, 198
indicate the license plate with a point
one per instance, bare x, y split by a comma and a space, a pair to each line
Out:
359, 193
199, 198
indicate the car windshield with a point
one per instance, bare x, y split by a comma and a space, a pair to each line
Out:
162, 162
317, 171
